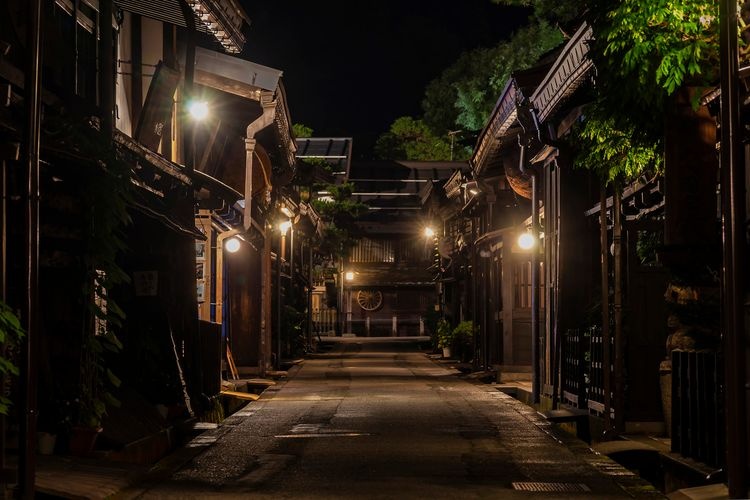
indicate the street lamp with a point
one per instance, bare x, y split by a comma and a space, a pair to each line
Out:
198, 110
526, 241
232, 245
429, 232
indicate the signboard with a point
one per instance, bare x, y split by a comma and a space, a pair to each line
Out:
157, 109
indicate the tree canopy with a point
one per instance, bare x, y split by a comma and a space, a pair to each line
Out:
644, 52
411, 139
462, 97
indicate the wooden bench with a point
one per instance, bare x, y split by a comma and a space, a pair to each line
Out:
575, 415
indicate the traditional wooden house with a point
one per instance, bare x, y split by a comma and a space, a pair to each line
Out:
499, 199
116, 228
388, 286
629, 335
247, 145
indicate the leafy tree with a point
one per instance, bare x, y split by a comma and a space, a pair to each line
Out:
463, 96
340, 212
411, 139
644, 52
301, 130
615, 152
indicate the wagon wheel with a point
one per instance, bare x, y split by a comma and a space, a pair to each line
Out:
369, 300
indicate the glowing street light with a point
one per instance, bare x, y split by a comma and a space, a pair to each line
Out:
198, 110
285, 226
526, 241
232, 245
429, 232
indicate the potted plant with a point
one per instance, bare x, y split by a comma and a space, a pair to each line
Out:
445, 337
463, 334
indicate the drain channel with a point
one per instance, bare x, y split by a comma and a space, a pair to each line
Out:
553, 487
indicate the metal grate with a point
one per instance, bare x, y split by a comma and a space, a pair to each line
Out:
555, 487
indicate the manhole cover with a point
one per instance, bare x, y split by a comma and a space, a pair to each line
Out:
556, 487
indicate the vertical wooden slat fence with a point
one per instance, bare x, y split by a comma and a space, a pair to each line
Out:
596, 392
697, 406
574, 353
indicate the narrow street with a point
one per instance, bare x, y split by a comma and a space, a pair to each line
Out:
377, 418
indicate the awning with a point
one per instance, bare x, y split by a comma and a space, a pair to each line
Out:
166, 11
223, 19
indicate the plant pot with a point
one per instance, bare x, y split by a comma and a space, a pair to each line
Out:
46, 442
82, 440
446, 352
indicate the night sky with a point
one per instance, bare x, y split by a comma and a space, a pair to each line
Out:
350, 68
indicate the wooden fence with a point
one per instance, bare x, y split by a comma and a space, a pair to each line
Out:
698, 406
697, 392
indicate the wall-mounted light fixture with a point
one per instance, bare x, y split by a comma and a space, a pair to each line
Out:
198, 110
232, 244
526, 241
285, 226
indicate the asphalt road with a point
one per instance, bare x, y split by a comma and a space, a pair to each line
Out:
380, 419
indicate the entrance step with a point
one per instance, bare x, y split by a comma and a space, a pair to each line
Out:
574, 415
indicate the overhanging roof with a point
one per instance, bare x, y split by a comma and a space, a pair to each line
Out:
223, 19
246, 77
566, 75
336, 151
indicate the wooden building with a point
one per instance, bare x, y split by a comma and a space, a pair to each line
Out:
389, 282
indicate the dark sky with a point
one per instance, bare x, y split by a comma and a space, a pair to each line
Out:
350, 68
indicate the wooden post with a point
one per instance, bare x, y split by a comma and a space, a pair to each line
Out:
735, 256
606, 339
31, 145
619, 341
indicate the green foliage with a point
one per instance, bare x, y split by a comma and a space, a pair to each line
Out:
663, 43
463, 333
458, 338
647, 245
11, 334
96, 380
339, 211
463, 96
106, 192
444, 334
623, 152
644, 52
301, 130
477, 90
411, 139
